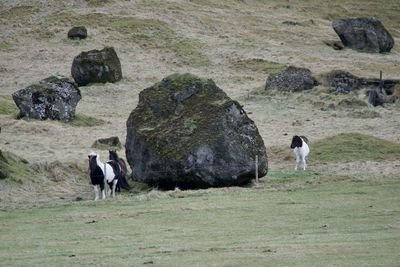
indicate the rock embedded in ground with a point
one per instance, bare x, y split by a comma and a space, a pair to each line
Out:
54, 98
96, 66
291, 79
107, 143
343, 82
186, 132
364, 34
77, 33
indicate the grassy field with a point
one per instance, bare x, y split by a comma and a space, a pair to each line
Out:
338, 222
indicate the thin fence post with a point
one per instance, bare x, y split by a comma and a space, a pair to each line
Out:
381, 82
257, 169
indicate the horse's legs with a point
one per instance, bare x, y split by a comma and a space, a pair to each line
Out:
102, 190
114, 185
304, 163
96, 192
297, 163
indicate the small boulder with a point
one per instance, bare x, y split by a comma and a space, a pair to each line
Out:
77, 33
187, 133
342, 82
291, 79
107, 143
364, 34
96, 66
54, 98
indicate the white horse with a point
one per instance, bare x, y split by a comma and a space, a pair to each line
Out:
301, 150
101, 173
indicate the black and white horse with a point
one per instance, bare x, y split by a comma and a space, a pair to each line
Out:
100, 173
124, 170
301, 150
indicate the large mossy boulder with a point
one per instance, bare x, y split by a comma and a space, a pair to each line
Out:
291, 79
54, 98
364, 34
186, 132
96, 66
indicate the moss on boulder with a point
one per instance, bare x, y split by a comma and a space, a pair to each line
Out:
187, 132
96, 66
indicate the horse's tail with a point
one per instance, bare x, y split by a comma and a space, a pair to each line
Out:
123, 183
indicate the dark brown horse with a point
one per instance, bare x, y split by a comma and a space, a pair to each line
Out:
124, 170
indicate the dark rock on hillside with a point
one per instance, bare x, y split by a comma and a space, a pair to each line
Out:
378, 97
96, 66
187, 132
53, 98
342, 82
374, 98
77, 33
291, 79
364, 34
107, 143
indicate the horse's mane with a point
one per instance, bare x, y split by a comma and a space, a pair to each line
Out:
305, 139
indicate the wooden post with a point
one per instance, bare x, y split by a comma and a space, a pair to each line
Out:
381, 82
257, 170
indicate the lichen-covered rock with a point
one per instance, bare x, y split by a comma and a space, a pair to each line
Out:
364, 34
96, 66
291, 79
55, 98
187, 132
77, 33
342, 82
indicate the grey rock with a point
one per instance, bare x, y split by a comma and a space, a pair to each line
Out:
187, 132
342, 82
364, 34
77, 33
291, 79
96, 66
55, 98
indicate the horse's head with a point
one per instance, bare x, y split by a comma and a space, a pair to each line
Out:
296, 142
113, 155
93, 160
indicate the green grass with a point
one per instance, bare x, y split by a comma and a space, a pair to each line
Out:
335, 224
98, 3
347, 147
8, 107
15, 168
5, 46
82, 120
187, 52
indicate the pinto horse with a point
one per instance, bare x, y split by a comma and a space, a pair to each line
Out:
101, 173
300, 149
124, 170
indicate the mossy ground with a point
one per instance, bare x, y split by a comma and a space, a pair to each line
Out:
348, 147
15, 168
8, 107
82, 120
